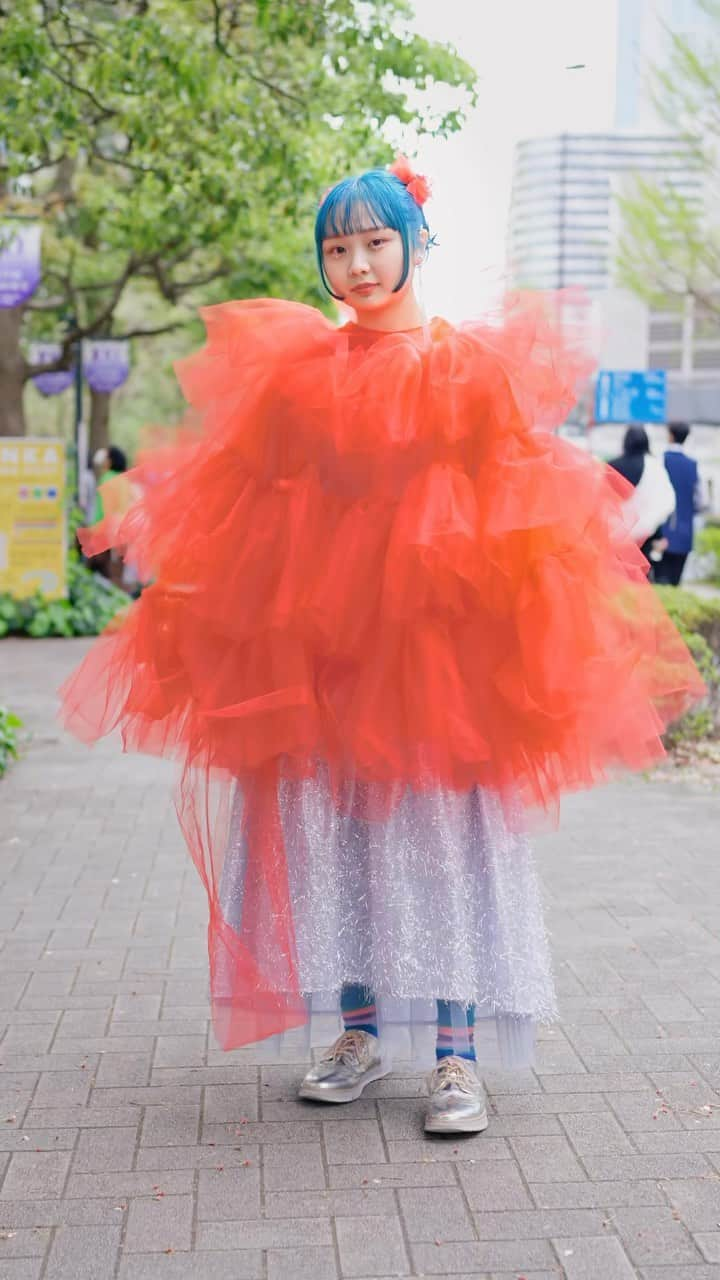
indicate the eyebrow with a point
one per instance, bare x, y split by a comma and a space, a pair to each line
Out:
362, 232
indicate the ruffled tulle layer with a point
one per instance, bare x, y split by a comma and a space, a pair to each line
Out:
377, 561
377, 557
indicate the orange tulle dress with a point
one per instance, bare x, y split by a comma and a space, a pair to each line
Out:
376, 574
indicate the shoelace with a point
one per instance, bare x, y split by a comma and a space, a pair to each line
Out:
453, 1071
347, 1048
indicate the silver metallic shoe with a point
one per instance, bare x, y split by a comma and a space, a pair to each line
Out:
457, 1098
345, 1068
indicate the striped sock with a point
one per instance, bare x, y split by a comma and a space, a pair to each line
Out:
358, 1008
455, 1030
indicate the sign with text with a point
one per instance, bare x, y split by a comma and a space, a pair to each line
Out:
19, 263
32, 517
50, 384
625, 396
106, 363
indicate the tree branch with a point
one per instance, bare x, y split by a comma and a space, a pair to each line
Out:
149, 333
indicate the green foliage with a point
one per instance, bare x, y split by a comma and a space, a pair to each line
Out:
169, 145
9, 726
697, 618
708, 544
91, 604
670, 247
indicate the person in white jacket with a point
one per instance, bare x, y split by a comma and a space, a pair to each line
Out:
653, 501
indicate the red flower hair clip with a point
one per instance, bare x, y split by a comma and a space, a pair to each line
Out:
417, 184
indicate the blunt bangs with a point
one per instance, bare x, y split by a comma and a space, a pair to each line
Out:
374, 199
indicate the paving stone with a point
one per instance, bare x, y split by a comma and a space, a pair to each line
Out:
654, 1236
301, 1264
487, 1255
102, 1150
594, 1195
687, 1166
432, 1174
639, 1111
228, 1192
159, 1223
170, 1126
494, 1186
231, 1102
596, 1133
246, 1265
20, 1269
547, 1160
23, 1242
429, 1212
131, 1183
161, 1158
596, 1258
83, 1253
35, 1174
696, 1200
708, 1242
371, 1247
353, 1142
538, 1224
264, 1234
363, 1203
294, 1167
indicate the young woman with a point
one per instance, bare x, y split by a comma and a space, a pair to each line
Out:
391, 613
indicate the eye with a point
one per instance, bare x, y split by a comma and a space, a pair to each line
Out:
334, 251
378, 242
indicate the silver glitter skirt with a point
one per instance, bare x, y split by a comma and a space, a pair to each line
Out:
439, 900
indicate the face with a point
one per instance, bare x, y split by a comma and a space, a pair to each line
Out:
363, 268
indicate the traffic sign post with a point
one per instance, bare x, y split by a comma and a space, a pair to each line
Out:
625, 396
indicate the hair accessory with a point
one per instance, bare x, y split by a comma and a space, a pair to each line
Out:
417, 184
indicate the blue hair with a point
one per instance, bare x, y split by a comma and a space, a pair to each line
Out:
377, 199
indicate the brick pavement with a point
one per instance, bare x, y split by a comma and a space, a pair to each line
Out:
131, 1147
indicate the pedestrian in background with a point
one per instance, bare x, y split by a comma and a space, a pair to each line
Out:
678, 531
654, 498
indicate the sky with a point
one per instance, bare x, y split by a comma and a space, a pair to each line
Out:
521, 49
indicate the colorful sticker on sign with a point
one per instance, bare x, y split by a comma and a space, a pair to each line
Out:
32, 517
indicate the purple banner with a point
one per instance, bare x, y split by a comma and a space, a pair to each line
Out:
106, 363
19, 263
50, 384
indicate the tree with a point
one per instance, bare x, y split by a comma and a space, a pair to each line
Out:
169, 144
670, 246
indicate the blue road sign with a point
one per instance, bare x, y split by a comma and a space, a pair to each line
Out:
623, 396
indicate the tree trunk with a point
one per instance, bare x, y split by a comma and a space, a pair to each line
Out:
99, 420
12, 373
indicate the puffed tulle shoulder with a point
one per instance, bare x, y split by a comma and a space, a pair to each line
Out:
373, 562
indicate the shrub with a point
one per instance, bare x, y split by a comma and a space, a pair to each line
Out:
697, 618
707, 544
9, 725
92, 602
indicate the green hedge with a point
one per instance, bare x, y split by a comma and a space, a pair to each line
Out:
9, 726
91, 604
698, 621
707, 544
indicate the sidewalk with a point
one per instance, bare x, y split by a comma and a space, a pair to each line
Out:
131, 1147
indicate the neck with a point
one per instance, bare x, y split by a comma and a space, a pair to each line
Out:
405, 313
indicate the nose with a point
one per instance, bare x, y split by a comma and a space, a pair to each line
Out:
359, 265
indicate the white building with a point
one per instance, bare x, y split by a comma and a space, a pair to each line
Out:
565, 222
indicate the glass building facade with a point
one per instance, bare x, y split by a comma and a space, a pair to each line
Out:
561, 229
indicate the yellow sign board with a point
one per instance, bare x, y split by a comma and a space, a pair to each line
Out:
32, 517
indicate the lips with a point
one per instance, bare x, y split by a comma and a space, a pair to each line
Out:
364, 289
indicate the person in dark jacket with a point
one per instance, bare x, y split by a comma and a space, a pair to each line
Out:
677, 533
